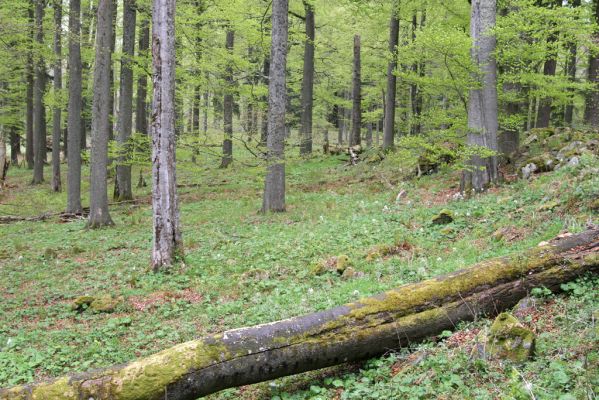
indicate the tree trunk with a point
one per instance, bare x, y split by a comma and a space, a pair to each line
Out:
141, 113
15, 146
39, 88
356, 135
98, 213
205, 111
227, 158
307, 100
56, 116
549, 68
265, 77
74, 116
591, 113
571, 69
389, 121
362, 329
3, 161
482, 103
122, 183
111, 108
29, 73
274, 186
167, 244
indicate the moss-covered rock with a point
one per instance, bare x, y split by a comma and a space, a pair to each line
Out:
104, 304
509, 339
81, 303
443, 218
343, 262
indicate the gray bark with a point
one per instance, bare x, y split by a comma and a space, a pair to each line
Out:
141, 112
274, 187
74, 116
98, 213
56, 116
264, 121
482, 103
365, 328
122, 184
39, 88
30, 73
15, 146
356, 132
167, 241
389, 121
307, 95
591, 114
571, 70
227, 158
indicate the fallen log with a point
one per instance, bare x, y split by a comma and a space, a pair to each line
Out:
353, 331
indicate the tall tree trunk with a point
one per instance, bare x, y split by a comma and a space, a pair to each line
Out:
307, 99
265, 77
111, 108
141, 113
167, 242
572, 63
227, 158
98, 213
3, 162
274, 186
355, 331
591, 113
15, 146
549, 69
482, 104
122, 184
389, 121
74, 116
356, 135
205, 111
56, 117
30, 73
39, 87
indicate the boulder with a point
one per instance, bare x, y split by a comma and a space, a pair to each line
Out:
443, 218
508, 339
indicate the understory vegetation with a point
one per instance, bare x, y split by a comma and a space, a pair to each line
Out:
243, 268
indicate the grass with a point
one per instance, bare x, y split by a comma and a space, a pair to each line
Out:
242, 268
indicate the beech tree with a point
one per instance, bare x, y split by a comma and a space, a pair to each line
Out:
122, 185
591, 114
356, 132
56, 116
274, 186
307, 99
389, 122
167, 241
228, 106
39, 89
98, 213
74, 111
482, 104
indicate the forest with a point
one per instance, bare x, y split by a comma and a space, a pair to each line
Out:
285, 199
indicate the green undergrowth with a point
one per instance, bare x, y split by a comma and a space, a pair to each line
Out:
242, 268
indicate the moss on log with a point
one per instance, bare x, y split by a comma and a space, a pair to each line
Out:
353, 331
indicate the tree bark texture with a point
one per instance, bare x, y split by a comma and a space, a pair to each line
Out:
39, 88
167, 240
307, 95
57, 112
274, 186
591, 114
30, 74
363, 329
227, 158
74, 115
482, 104
141, 112
122, 189
98, 213
356, 132
389, 120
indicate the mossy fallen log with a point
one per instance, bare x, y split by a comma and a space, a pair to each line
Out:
353, 331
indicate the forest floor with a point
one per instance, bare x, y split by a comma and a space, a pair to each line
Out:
242, 268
